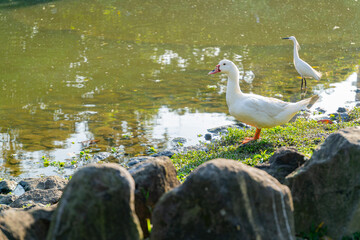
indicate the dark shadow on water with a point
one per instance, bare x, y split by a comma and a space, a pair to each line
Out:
21, 3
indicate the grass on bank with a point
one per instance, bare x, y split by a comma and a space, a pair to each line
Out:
303, 134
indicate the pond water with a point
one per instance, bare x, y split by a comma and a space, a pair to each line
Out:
133, 74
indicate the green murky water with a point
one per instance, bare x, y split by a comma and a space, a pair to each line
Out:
134, 73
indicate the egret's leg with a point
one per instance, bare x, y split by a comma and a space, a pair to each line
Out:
305, 82
256, 136
302, 81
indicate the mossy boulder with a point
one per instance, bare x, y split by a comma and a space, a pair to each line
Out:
225, 199
97, 203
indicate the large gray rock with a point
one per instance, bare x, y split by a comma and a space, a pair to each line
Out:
41, 197
153, 178
327, 188
25, 225
52, 182
97, 203
225, 199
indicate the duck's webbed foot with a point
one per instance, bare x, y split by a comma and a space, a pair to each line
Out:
249, 139
257, 136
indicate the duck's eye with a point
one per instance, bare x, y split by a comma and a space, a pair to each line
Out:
224, 63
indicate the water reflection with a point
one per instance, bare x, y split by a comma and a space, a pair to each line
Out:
183, 123
9, 149
134, 74
341, 94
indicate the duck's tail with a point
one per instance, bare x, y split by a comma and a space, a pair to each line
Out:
311, 101
307, 102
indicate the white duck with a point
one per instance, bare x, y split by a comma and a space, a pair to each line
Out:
302, 67
255, 110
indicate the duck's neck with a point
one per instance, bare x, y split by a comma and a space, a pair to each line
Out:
296, 50
233, 88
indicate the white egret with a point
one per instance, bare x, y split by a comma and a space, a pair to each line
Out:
302, 67
255, 110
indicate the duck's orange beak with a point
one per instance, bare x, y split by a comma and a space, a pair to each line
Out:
216, 70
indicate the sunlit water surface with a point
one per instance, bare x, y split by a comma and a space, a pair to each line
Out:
133, 74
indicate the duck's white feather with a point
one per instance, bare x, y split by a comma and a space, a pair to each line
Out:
264, 112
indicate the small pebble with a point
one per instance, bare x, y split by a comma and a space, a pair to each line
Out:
167, 153
319, 109
179, 140
341, 110
208, 136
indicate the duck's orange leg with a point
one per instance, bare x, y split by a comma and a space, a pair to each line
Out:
257, 136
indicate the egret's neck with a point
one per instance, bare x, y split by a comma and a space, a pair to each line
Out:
233, 88
296, 50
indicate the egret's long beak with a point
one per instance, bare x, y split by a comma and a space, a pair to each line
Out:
286, 38
216, 70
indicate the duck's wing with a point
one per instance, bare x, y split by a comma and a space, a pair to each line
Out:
262, 111
271, 107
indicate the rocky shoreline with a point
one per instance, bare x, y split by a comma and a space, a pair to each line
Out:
342, 114
321, 194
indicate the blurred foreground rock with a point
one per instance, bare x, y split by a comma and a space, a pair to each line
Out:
25, 225
225, 199
98, 203
327, 188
